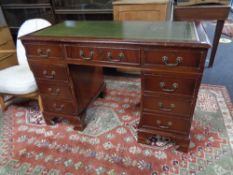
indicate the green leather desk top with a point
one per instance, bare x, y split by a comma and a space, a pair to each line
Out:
165, 31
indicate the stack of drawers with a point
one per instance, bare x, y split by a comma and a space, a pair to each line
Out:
53, 82
7, 49
169, 94
56, 81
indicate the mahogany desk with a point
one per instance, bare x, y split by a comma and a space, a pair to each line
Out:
67, 61
204, 13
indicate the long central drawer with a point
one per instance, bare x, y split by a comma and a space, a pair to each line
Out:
116, 55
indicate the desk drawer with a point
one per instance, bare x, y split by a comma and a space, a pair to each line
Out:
49, 71
173, 58
55, 89
108, 55
164, 122
170, 83
168, 104
125, 56
45, 51
7, 59
7, 45
58, 106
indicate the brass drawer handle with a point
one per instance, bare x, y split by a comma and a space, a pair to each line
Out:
43, 53
56, 92
119, 58
6, 56
162, 108
178, 61
3, 43
163, 87
169, 124
82, 55
58, 108
51, 76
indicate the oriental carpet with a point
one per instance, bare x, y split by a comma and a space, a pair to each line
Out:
228, 28
108, 145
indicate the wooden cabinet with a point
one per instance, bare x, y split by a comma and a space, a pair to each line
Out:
82, 9
17, 11
56, 85
148, 10
7, 49
70, 74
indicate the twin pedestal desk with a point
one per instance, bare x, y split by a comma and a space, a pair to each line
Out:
67, 60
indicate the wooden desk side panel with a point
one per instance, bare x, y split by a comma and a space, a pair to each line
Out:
88, 82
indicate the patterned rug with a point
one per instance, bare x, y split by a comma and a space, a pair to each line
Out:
109, 145
228, 28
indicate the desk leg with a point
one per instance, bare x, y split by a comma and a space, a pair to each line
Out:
217, 35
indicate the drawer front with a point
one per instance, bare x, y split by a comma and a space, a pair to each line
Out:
55, 89
164, 122
7, 59
45, 51
108, 55
141, 12
5, 35
170, 83
168, 105
7, 45
173, 58
49, 71
129, 56
58, 106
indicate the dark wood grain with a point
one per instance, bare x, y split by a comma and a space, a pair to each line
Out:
164, 122
168, 104
177, 59
88, 82
49, 71
44, 50
205, 12
115, 55
55, 89
185, 84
